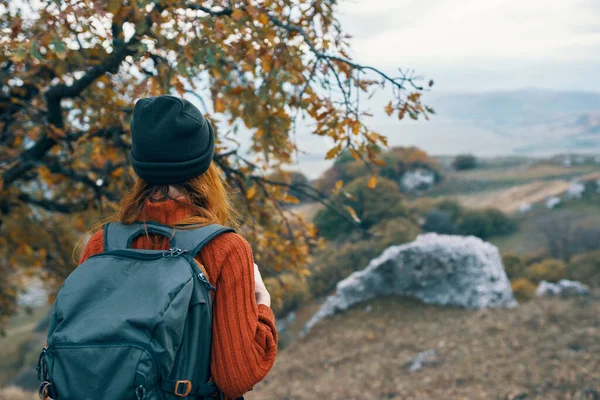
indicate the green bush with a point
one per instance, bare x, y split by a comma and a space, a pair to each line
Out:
514, 266
338, 260
288, 291
549, 270
452, 207
371, 206
523, 288
585, 268
464, 162
440, 222
486, 223
395, 231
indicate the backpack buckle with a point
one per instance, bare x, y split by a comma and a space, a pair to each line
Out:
188, 388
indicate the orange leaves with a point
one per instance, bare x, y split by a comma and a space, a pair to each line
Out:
219, 105
372, 182
238, 14
334, 152
352, 214
263, 18
117, 173
251, 193
389, 109
266, 62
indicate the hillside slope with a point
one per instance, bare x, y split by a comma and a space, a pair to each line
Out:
546, 349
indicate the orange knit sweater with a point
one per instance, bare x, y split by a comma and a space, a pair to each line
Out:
244, 335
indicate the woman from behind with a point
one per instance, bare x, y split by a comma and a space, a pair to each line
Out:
179, 185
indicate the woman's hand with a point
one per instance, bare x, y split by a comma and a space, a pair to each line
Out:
260, 291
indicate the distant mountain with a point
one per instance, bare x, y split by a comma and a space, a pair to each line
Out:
522, 107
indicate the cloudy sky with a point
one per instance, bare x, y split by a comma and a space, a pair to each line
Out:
478, 45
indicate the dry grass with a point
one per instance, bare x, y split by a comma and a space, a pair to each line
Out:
13, 393
547, 349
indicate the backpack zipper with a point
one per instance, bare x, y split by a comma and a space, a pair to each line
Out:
204, 280
173, 252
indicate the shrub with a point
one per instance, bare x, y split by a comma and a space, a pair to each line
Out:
288, 291
440, 222
371, 206
534, 258
395, 232
568, 233
397, 161
486, 223
464, 162
550, 270
455, 210
523, 288
585, 268
514, 266
339, 260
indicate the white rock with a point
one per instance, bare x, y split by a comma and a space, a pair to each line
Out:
575, 191
564, 288
525, 207
34, 295
417, 179
436, 269
552, 201
422, 359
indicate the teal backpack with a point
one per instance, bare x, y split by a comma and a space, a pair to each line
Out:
133, 324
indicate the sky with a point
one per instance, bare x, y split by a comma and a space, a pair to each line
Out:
481, 45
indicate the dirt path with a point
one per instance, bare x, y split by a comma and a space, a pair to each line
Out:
21, 329
509, 200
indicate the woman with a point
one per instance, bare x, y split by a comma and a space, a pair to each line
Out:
178, 184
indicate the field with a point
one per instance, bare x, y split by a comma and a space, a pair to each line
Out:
546, 349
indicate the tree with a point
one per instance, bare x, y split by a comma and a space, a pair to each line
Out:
70, 71
464, 162
367, 206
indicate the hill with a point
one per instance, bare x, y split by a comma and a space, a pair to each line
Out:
545, 349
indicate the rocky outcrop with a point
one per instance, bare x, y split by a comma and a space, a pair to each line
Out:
564, 288
436, 269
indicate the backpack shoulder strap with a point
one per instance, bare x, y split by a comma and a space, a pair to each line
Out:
119, 236
195, 239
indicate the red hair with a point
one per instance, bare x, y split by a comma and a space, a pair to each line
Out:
205, 195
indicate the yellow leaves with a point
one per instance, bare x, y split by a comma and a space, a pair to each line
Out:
372, 182
97, 157
290, 199
266, 63
352, 214
333, 152
389, 109
19, 54
354, 154
263, 19
117, 173
379, 162
79, 224
45, 174
251, 193
338, 185
175, 81
219, 105
355, 127
237, 14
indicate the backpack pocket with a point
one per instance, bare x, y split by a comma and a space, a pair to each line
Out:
101, 371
